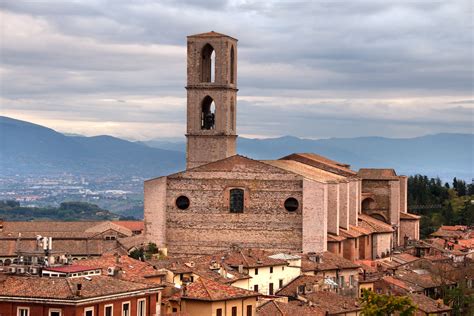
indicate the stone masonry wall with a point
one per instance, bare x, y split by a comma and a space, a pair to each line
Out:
344, 205
208, 226
155, 211
315, 210
333, 208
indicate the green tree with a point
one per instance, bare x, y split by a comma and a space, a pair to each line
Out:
137, 253
460, 300
385, 305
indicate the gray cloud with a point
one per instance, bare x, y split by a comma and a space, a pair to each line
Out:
391, 68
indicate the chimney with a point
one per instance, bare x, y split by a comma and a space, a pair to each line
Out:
117, 259
78, 289
241, 268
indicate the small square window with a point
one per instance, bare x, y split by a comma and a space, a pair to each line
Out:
271, 269
23, 311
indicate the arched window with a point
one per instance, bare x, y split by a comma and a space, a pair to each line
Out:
368, 204
236, 201
232, 114
208, 110
232, 65
208, 64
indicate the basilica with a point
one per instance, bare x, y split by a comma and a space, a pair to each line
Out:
302, 202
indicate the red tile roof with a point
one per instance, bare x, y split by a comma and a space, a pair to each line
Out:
321, 162
377, 174
207, 290
211, 34
333, 303
373, 225
130, 269
65, 288
329, 261
71, 268
132, 225
293, 308
428, 305
291, 288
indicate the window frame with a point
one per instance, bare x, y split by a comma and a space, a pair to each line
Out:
144, 306
232, 208
249, 307
129, 308
112, 310
89, 309
234, 308
218, 311
20, 308
271, 288
55, 310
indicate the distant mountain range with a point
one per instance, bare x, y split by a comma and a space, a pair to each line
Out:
30, 148
27, 148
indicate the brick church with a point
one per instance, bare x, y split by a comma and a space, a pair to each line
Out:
299, 203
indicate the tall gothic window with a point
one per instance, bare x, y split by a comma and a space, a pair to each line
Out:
236, 201
208, 64
208, 110
232, 66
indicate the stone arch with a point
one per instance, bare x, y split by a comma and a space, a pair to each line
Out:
368, 204
7, 262
208, 116
208, 63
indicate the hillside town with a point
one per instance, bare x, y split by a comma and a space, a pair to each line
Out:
235, 236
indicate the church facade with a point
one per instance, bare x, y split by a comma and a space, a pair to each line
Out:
299, 203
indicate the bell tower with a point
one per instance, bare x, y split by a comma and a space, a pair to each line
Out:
211, 93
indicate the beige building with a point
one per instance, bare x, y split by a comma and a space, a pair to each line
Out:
205, 297
299, 203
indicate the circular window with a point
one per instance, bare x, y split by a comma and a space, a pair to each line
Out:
291, 204
182, 202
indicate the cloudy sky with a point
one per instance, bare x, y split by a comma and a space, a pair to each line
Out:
314, 69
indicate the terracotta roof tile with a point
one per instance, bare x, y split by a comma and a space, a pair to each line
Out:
428, 305
131, 269
208, 290
291, 288
306, 171
374, 225
334, 303
65, 288
131, 225
321, 162
293, 308
329, 261
210, 34
377, 174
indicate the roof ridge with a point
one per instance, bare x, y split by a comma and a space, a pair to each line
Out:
278, 307
70, 286
205, 288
